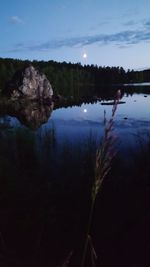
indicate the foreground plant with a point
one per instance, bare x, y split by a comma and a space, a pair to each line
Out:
104, 156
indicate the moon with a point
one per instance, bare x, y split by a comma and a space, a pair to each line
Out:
84, 55
85, 110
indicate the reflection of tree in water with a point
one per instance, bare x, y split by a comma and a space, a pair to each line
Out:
31, 114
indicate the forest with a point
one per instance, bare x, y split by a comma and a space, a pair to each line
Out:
68, 79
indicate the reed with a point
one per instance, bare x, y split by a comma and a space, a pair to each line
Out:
104, 156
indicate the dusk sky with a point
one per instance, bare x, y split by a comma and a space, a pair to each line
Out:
109, 32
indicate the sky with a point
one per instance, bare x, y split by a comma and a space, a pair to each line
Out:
108, 32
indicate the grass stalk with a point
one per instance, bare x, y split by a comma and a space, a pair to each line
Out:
104, 156
87, 233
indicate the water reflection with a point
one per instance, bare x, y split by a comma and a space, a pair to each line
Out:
45, 178
30, 113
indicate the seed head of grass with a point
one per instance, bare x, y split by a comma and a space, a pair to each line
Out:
105, 153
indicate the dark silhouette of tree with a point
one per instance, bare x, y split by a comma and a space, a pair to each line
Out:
74, 79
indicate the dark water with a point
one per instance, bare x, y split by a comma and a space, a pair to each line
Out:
47, 159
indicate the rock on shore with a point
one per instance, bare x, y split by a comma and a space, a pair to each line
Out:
29, 83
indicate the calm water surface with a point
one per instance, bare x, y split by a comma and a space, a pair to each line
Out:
46, 175
76, 122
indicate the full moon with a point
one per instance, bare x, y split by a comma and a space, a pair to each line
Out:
84, 55
85, 110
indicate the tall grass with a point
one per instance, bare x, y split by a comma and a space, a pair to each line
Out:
104, 156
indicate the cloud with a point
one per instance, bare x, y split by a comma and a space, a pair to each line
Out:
129, 23
120, 39
147, 24
16, 20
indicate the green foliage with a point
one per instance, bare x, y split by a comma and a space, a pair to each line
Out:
69, 79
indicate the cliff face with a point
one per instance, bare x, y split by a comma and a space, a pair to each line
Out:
29, 83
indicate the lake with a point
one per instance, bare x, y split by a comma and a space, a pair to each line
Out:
46, 168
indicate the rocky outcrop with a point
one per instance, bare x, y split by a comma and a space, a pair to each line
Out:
29, 83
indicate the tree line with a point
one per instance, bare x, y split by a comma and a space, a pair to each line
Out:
73, 79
